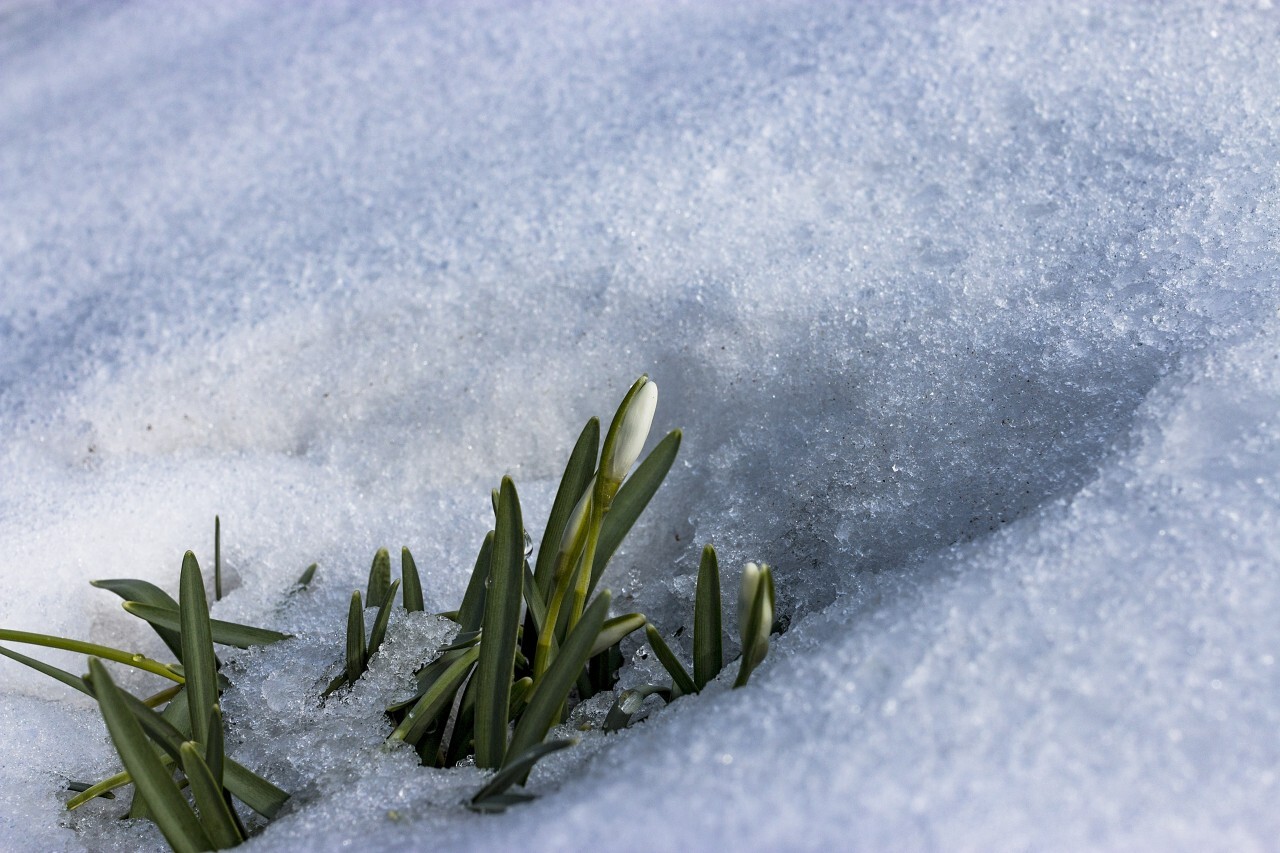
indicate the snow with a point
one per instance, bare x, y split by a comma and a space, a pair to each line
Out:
969, 313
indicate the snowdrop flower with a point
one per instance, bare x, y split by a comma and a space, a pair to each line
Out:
574, 529
631, 435
755, 617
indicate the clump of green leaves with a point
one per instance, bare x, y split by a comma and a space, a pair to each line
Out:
380, 593
172, 740
535, 636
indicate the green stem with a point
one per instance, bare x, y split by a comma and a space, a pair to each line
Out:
583, 585
106, 652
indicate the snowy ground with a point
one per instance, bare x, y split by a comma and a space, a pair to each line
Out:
968, 311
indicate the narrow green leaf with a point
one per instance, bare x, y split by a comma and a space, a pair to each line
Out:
168, 808
379, 579
501, 621
499, 803
464, 725
437, 697
147, 593
679, 675
252, 790
215, 816
304, 580
86, 792
633, 497
106, 786
552, 689
215, 748
177, 714
520, 691
413, 601
356, 647
217, 558
199, 664
463, 640
223, 633
613, 630
537, 605
535, 616
471, 612
577, 475
629, 703
428, 746
380, 622
73, 681
105, 652
80, 788
513, 772
708, 642
155, 700
432, 672
165, 729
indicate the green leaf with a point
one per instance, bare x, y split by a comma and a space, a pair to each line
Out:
501, 621
552, 689
490, 797
379, 579
613, 630
536, 604
437, 697
520, 691
629, 703
73, 681
92, 791
463, 640
679, 675
224, 633
106, 652
577, 474
499, 803
147, 593
215, 748
464, 725
356, 648
304, 580
217, 558
471, 612
380, 622
200, 667
252, 790
215, 816
708, 648
168, 807
80, 787
632, 498
413, 601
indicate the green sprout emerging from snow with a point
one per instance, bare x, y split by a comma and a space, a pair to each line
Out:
532, 639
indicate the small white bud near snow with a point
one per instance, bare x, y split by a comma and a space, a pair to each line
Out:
747, 596
755, 615
632, 433
574, 529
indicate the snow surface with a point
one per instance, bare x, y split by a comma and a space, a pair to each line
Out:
969, 313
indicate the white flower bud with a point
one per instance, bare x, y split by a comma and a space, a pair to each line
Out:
756, 592
746, 596
574, 529
632, 433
